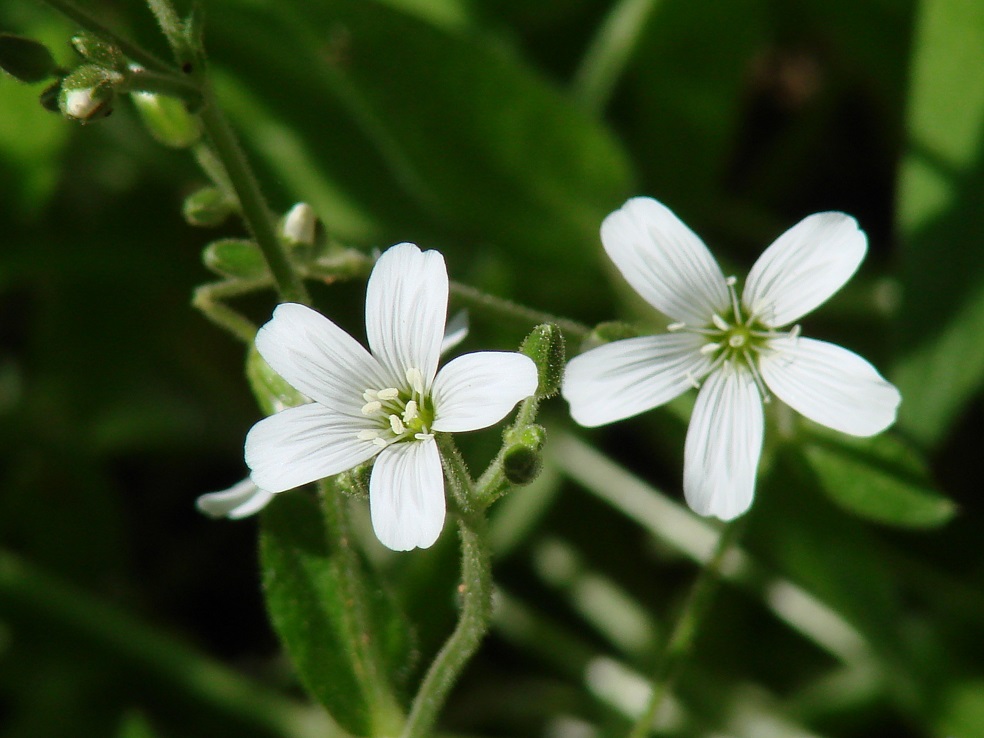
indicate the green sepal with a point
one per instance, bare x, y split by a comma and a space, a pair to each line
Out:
233, 257
99, 51
882, 479
545, 345
523, 460
207, 207
355, 482
49, 97
87, 93
607, 332
25, 59
272, 392
304, 586
167, 119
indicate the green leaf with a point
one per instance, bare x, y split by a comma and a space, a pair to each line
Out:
305, 594
881, 478
26, 59
942, 175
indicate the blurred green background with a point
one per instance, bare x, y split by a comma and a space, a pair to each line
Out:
501, 133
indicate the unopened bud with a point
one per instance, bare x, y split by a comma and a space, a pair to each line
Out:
522, 460
299, 225
25, 59
232, 257
545, 345
207, 207
86, 94
98, 51
167, 119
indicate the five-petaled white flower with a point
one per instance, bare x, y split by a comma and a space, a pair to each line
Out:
735, 350
386, 404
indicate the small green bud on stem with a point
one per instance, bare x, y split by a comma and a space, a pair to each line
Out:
87, 93
238, 258
545, 345
167, 119
207, 207
522, 461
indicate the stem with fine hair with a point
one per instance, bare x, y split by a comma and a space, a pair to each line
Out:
684, 632
508, 309
476, 610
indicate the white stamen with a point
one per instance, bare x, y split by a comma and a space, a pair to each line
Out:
720, 322
423, 436
693, 380
397, 425
410, 412
735, 306
709, 348
673, 327
416, 380
759, 382
371, 408
736, 341
731, 281
380, 442
794, 332
368, 435
390, 393
370, 395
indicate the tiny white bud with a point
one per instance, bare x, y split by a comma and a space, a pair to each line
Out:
299, 225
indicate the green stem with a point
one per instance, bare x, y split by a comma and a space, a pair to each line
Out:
214, 169
610, 51
456, 472
170, 23
508, 309
208, 298
684, 632
133, 52
254, 207
367, 662
493, 483
476, 596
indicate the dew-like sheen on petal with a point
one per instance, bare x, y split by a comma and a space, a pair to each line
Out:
303, 444
724, 442
804, 267
406, 495
664, 261
479, 389
830, 385
624, 378
317, 357
406, 309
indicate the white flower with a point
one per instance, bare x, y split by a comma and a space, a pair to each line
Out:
385, 404
736, 351
239, 501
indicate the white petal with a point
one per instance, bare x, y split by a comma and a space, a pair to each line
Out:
455, 332
406, 495
479, 389
239, 501
318, 358
665, 261
302, 444
724, 442
804, 267
624, 378
406, 308
830, 385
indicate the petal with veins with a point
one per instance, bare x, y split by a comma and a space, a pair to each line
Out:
664, 261
830, 385
624, 378
406, 495
724, 442
804, 267
479, 389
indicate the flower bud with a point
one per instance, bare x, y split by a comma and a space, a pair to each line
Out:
522, 460
25, 59
207, 208
86, 94
545, 345
99, 52
299, 225
607, 332
167, 119
233, 257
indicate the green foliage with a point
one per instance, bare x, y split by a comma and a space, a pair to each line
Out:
234, 257
25, 59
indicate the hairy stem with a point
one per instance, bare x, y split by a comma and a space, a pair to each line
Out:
681, 640
476, 598
508, 309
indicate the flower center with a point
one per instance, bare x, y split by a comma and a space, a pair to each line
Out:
735, 339
399, 413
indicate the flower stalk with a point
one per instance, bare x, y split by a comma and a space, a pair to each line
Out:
680, 643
